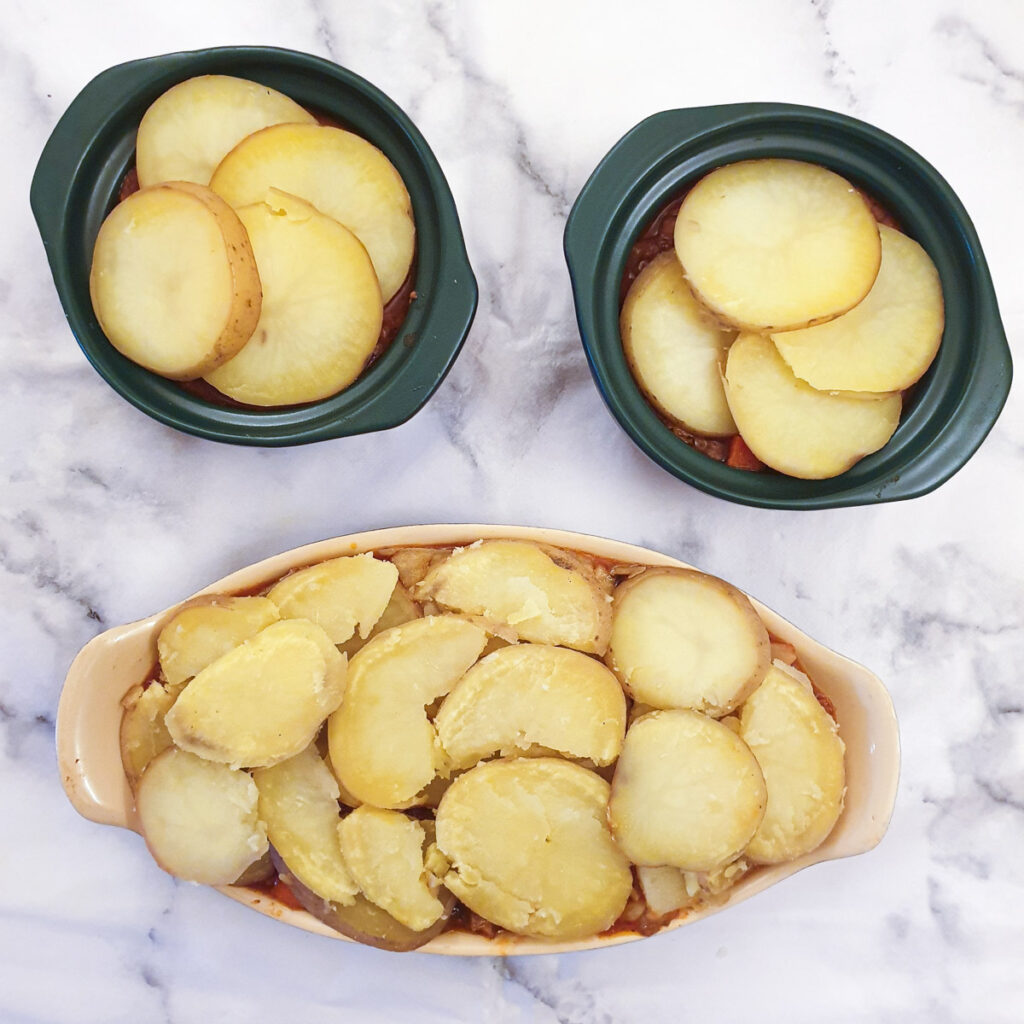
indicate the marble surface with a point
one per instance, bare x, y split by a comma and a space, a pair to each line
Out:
108, 516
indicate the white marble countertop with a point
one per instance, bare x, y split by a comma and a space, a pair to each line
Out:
108, 516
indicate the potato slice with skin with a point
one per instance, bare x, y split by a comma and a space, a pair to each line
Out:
773, 245
687, 792
518, 583
886, 342
321, 314
795, 429
533, 694
798, 747
675, 350
683, 639
401, 608
342, 175
174, 283
143, 732
199, 818
263, 701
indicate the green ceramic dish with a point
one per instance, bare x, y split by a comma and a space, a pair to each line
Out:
955, 404
76, 184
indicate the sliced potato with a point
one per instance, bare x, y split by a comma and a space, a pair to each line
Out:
401, 608
189, 129
683, 639
667, 889
772, 245
530, 849
173, 282
798, 747
263, 701
261, 870
143, 732
414, 563
794, 428
199, 819
687, 792
533, 694
675, 349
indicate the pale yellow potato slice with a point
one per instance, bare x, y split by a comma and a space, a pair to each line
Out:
675, 349
189, 129
667, 889
143, 732
530, 848
687, 792
798, 747
533, 694
884, 343
794, 428
322, 310
342, 175
298, 800
384, 749
263, 701
384, 850
401, 608
173, 282
339, 595
202, 632
683, 639
518, 584
199, 819
772, 245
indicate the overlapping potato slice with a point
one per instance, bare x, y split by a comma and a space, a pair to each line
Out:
341, 174
533, 694
675, 349
383, 747
199, 818
143, 732
173, 282
798, 747
190, 128
530, 849
683, 639
321, 314
667, 889
884, 343
773, 245
687, 792
794, 428
519, 584
401, 608
263, 701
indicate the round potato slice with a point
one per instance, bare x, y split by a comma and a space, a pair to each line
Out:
772, 245
887, 341
189, 129
342, 175
173, 282
683, 639
675, 349
530, 849
687, 792
795, 428
797, 744
321, 314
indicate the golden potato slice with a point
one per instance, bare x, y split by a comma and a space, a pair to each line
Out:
342, 175
683, 639
772, 245
884, 343
199, 818
199, 634
518, 584
384, 852
322, 310
675, 349
383, 747
298, 800
189, 129
794, 428
798, 747
533, 694
173, 282
263, 701
687, 792
143, 732
530, 849
401, 608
